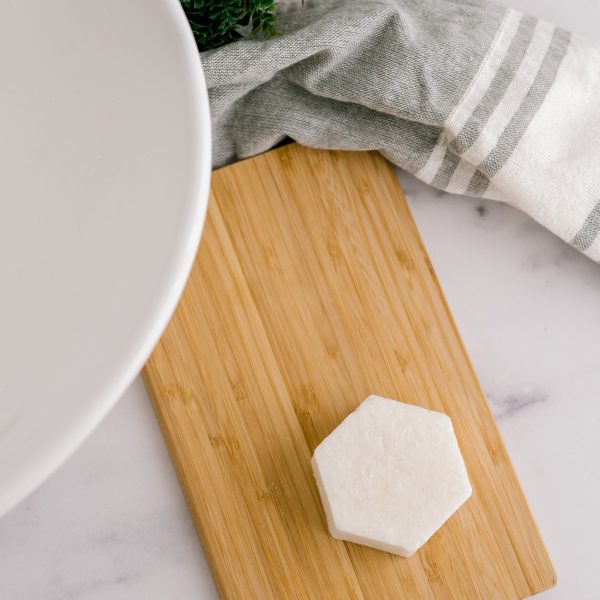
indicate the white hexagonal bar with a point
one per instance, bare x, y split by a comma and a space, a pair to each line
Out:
390, 475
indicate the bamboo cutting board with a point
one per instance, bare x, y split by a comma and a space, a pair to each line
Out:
310, 291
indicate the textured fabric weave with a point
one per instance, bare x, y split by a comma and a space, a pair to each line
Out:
470, 96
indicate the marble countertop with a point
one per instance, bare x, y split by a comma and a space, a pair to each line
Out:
112, 524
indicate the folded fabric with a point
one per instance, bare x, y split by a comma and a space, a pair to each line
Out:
471, 97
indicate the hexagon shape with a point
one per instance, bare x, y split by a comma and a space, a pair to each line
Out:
390, 475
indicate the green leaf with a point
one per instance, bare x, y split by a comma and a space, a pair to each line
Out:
219, 22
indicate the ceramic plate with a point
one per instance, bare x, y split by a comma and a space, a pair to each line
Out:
104, 170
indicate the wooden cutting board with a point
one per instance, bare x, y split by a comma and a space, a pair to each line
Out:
310, 291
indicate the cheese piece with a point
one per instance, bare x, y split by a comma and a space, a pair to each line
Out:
390, 475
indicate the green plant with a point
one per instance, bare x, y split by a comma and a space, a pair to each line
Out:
218, 22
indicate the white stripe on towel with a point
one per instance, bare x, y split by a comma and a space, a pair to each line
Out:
505, 110
481, 82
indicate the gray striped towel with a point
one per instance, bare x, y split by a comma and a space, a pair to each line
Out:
471, 97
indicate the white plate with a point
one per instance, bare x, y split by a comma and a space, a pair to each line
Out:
104, 170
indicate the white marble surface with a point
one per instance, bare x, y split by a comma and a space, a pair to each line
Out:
111, 524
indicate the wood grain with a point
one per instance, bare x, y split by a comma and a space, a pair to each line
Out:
310, 291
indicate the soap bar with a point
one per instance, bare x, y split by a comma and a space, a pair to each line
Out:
390, 475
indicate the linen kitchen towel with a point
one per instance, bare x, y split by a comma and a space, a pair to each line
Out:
470, 96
